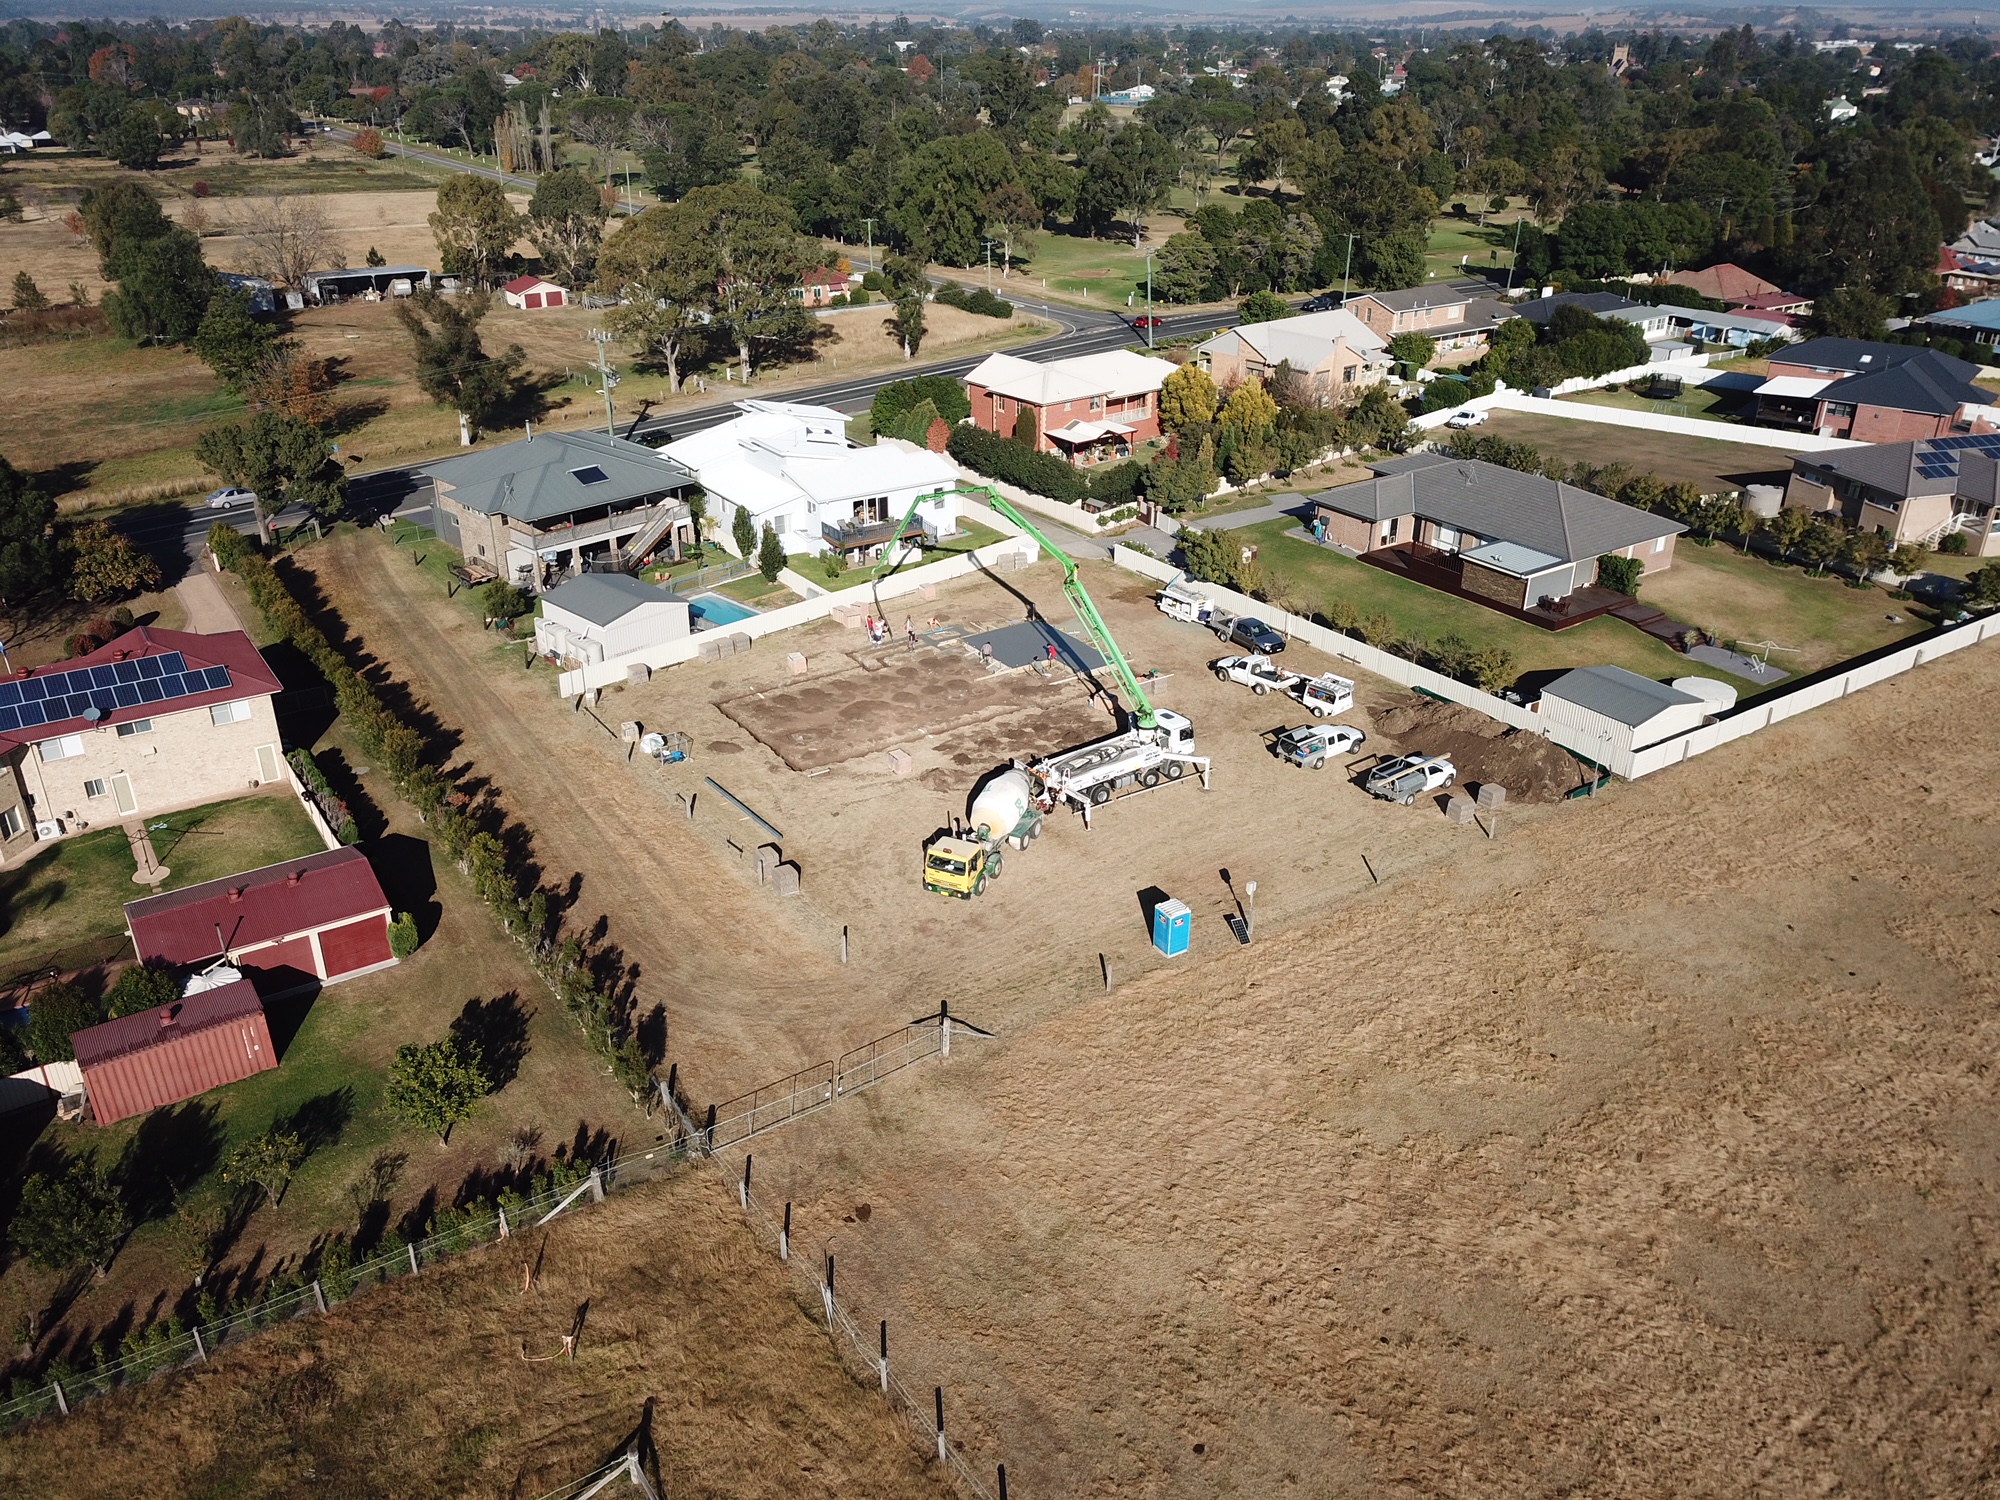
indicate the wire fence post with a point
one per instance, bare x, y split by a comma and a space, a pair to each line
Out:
944, 1028
883, 1362
319, 1297
413, 1258
1003, 1482
62, 1403
785, 1236
826, 1291
743, 1187
200, 1352
502, 1211
596, 1185
940, 1425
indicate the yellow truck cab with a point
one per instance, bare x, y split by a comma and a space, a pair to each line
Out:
960, 867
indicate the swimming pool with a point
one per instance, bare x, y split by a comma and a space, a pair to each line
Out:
717, 609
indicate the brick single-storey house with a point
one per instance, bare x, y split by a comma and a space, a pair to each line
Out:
288, 926
533, 292
153, 721
1516, 540
1088, 409
1873, 392
818, 288
1918, 492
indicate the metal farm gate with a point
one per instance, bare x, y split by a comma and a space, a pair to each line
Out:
876, 1060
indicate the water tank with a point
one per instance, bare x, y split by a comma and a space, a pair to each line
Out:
1763, 499
1001, 804
1717, 695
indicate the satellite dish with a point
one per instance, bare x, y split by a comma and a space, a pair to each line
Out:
93, 713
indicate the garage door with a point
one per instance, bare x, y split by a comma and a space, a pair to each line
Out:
357, 945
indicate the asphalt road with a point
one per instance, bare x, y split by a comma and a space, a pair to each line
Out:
1080, 331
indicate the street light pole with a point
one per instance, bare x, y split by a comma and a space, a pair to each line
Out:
1347, 271
1149, 299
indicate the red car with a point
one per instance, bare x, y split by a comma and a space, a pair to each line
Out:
1143, 323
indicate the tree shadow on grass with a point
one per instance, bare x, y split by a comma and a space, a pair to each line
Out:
499, 1028
403, 865
319, 1121
172, 1149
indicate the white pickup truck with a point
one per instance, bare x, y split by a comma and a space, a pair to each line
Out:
1325, 694
1408, 777
1257, 672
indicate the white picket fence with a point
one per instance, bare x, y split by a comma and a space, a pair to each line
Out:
1772, 708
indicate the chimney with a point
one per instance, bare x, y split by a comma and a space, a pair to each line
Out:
235, 894
293, 877
168, 1013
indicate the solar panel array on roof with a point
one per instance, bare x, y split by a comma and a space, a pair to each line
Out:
1937, 458
54, 697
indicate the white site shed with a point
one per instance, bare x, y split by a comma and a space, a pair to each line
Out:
1606, 713
599, 615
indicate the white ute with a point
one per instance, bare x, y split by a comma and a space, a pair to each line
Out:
1090, 775
1408, 777
1256, 672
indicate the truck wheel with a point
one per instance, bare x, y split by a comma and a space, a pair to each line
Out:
979, 886
1222, 636
1221, 676
1449, 780
1316, 763
993, 868
1260, 689
1175, 770
1409, 801
1035, 829
1319, 713
1099, 795
1149, 778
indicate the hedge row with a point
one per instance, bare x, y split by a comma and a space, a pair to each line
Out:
1016, 463
524, 910
974, 300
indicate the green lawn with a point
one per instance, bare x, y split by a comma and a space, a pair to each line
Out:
1462, 247
1103, 271
1693, 401
65, 907
970, 538
1310, 578
753, 591
1746, 599
437, 558
227, 838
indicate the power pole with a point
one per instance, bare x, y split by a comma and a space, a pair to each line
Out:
989, 263
871, 243
1346, 274
1514, 259
1149, 299
605, 378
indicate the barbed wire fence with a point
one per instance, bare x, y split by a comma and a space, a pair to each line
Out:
736, 1121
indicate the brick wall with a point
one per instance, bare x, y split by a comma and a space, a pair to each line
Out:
1488, 584
186, 759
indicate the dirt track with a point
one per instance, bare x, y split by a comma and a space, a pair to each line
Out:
1649, 1149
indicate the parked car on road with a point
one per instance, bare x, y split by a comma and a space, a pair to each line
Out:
229, 497
1310, 744
1324, 302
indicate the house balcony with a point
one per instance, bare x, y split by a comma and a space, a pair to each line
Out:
864, 536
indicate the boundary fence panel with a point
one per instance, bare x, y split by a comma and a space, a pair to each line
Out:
886, 1054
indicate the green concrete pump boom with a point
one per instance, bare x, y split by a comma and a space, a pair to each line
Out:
1073, 589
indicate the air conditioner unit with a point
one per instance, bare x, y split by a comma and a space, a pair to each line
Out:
49, 828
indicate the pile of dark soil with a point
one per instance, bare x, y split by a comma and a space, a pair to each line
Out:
1531, 768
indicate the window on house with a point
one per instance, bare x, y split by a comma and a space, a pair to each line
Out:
68, 747
96, 789
11, 823
1659, 544
1389, 533
135, 726
229, 713
1347, 375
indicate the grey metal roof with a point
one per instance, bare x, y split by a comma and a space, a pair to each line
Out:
1621, 696
1436, 294
1856, 356
1931, 383
1499, 504
1929, 466
535, 479
603, 598
1598, 304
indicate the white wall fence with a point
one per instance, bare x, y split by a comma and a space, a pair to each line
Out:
1001, 556
1770, 709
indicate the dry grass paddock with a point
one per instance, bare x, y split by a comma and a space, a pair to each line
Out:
441, 1385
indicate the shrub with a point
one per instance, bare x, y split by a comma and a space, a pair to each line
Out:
1025, 427
503, 601
403, 936
55, 1014
142, 987
900, 397
1014, 463
1953, 545
974, 300
1211, 557
368, 143
1620, 574
833, 562
1118, 484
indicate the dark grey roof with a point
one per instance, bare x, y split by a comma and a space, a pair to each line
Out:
1858, 355
1621, 696
1437, 294
535, 479
603, 598
1930, 383
1498, 504
1963, 465
1599, 304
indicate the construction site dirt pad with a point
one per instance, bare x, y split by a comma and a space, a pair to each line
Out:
1531, 768
909, 696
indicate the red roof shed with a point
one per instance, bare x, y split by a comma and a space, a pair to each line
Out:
174, 1052
320, 918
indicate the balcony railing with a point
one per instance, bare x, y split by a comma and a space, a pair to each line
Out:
854, 535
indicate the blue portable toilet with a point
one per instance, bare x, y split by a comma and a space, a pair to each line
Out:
1172, 925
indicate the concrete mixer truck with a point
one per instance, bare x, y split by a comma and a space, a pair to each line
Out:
1003, 813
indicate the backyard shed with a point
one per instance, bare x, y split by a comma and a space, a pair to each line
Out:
1603, 713
532, 291
174, 1052
319, 919
599, 615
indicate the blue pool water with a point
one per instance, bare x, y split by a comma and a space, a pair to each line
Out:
718, 609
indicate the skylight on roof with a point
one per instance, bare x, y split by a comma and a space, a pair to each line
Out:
589, 474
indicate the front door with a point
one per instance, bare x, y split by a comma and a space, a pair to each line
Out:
121, 795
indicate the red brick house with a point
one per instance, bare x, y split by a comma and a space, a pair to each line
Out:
819, 288
1093, 408
1874, 393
